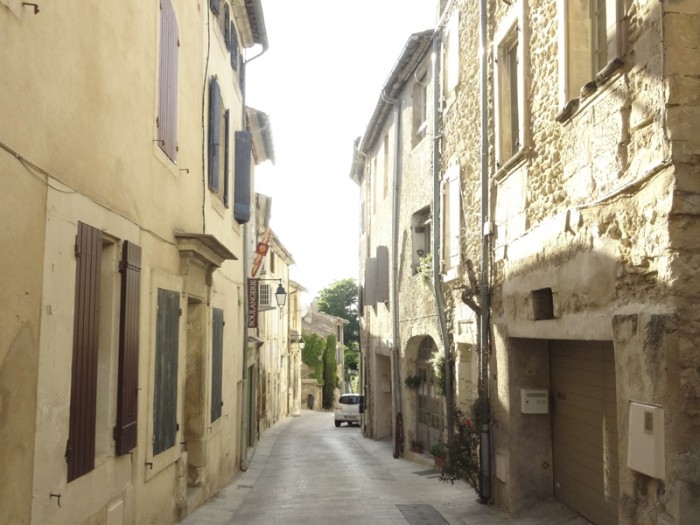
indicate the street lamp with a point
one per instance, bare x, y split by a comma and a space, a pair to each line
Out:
280, 293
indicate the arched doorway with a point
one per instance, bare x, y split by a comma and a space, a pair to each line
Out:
430, 422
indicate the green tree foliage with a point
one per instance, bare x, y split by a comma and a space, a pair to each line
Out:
329, 373
312, 354
340, 299
352, 356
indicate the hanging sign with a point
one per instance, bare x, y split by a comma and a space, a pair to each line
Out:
260, 252
252, 303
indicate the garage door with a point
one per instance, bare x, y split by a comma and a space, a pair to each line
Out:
584, 432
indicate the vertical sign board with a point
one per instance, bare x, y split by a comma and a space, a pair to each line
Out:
253, 303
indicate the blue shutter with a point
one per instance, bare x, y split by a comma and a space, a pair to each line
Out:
214, 123
241, 204
227, 27
233, 38
226, 157
217, 349
215, 6
167, 87
241, 77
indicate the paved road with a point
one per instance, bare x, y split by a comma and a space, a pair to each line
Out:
306, 471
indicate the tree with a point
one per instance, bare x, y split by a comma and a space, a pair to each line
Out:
312, 354
340, 300
329, 373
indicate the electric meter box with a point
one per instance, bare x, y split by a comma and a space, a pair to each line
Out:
646, 448
534, 401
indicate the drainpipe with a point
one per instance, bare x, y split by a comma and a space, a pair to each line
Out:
437, 252
485, 299
246, 269
395, 343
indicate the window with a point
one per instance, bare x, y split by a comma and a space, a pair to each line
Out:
588, 43
93, 380
165, 424
264, 295
167, 88
217, 349
451, 221
451, 54
218, 143
420, 234
510, 85
420, 107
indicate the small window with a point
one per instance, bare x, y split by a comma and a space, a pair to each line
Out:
264, 295
508, 80
421, 256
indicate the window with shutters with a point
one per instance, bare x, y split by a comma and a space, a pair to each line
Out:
509, 89
103, 389
589, 43
165, 425
218, 143
167, 87
452, 207
420, 107
217, 352
420, 240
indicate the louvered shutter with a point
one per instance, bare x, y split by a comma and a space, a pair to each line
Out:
217, 362
233, 38
165, 384
128, 382
227, 149
241, 203
167, 89
214, 131
382, 274
227, 27
241, 76
80, 451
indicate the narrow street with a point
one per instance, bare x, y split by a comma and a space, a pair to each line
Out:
307, 471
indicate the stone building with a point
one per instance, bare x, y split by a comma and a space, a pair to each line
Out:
125, 158
590, 229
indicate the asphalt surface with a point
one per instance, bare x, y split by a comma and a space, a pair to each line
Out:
307, 471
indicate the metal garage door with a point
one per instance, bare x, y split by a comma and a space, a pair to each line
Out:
584, 432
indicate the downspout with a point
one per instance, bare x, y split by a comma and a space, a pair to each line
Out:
395, 343
246, 269
485, 299
437, 253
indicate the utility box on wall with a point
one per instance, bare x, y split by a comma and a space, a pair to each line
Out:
645, 449
534, 401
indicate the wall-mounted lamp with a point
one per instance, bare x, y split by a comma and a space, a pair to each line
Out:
280, 293
35, 6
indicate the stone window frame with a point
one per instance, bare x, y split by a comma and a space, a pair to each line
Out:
575, 39
512, 31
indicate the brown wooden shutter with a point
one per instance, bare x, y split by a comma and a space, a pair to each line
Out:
167, 96
127, 390
80, 451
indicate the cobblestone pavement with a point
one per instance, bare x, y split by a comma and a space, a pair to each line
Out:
307, 471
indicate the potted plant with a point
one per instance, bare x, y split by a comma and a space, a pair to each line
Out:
439, 453
413, 382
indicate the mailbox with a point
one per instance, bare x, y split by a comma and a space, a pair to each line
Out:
534, 401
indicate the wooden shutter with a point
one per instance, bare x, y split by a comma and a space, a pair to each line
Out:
241, 76
382, 274
214, 131
241, 205
80, 451
217, 349
128, 381
215, 6
227, 150
454, 210
165, 389
227, 27
167, 94
233, 38
370, 281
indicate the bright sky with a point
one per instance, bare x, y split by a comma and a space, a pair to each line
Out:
319, 83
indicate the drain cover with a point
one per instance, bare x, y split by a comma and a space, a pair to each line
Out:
421, 515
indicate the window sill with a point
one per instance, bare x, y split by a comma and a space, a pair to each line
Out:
512, 164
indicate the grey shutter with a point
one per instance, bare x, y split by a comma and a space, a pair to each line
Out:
382, 274
227, 150
233, 38
165, 384
227, 27
167, 89
370, 282
215, 6
217, 350
214, 130
128, 380
241, 203
80, 451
